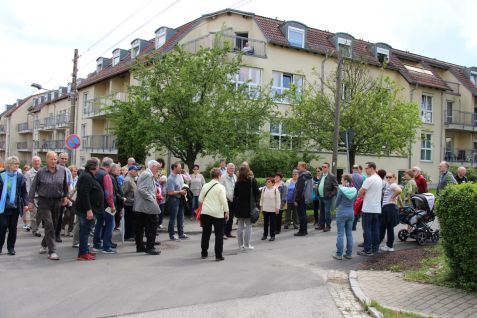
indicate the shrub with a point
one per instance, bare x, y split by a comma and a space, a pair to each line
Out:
456, 210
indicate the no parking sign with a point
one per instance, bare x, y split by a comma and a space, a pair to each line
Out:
73, 142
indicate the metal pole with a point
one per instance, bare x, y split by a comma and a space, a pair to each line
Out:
73, 98
347, 150
334, 160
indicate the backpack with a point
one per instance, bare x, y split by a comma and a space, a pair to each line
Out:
308, 192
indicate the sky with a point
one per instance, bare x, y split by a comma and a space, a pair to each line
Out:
39, 37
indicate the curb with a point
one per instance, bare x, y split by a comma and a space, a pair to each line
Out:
358, 293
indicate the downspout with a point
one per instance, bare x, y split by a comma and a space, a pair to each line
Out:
411, 99
442, 127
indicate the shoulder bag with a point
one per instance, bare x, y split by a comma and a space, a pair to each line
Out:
254, 212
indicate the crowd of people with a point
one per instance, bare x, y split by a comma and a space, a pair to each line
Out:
91, 200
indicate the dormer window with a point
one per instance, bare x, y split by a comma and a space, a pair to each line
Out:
99, 65
382, 55
116, 57
344, 47
161, 37
135, 48
473, 77
296, 37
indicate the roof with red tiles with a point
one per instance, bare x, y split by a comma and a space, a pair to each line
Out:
9, 112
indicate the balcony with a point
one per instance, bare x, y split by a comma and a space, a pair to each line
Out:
2, 129
24, 146
53, 145
257, 48
459, 120
62, 120
96, 107
100, 144
462, 156
24, 128
45, 123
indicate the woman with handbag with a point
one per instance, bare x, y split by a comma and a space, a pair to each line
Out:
246, 194
214, 210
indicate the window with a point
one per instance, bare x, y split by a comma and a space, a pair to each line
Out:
344, 47
250, 77
296, 37
83, 130
85, 103
282, 83
99, 65
426, 147
449, 112
116, 57
135, 49
473, 77
160, 37
382, 54
280, 139
426, 109
240, 40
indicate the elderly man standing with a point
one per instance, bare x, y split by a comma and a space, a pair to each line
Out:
460, 177
420, 180
147, 209
105, 221
129, 188
228, 181
174, 189
34, 221
51, 186
445, 177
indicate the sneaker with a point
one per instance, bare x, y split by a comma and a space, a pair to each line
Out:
161, 226
108, 251
264, 238
11, 252
75, 245
37, 234
53, 256
250, 247
337, 257
42, 250
96, 249
241, 247
152, 252
85, 257
295, 226
272, 239
173, 238
386, 248
364, 253
26, 228
219, 258
184, 237
348, 256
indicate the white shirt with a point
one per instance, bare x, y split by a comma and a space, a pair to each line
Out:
215, 203
228, 181
372, 198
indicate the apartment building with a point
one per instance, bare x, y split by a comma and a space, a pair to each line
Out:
282, 53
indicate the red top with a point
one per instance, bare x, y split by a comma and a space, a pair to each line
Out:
421, 184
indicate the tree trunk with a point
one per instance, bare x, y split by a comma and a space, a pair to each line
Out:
352, 158
190, 161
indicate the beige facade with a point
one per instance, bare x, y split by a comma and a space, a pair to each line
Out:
444, 92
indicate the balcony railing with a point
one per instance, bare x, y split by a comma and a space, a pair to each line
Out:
96, 107
104, 144
24, 146
461, 156
237, 43
47, 145
457, 119
62, 120
24, 128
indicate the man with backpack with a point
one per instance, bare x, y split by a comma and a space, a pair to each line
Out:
303, 195
327, 190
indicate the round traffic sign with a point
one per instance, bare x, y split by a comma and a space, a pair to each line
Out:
73, 142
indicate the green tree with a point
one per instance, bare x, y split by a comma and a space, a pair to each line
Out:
189, 104
383, 124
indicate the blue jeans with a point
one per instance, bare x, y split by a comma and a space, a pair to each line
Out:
176, 210
85, 226
195, 204
371, 224
301, 211
104, 228
325, 215
344, 224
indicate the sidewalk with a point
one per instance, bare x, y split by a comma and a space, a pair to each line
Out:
392, 291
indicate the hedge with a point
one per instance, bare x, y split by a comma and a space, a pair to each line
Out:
456, 210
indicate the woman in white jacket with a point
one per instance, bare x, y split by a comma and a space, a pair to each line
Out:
270, 206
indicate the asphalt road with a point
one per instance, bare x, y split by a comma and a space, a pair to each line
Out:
277, 279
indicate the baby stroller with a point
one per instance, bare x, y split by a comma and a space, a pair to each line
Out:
419, 218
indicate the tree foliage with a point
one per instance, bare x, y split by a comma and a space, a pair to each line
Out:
383, 123
189, 104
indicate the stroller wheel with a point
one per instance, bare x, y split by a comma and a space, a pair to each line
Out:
403, 235
435, 237
421, 238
